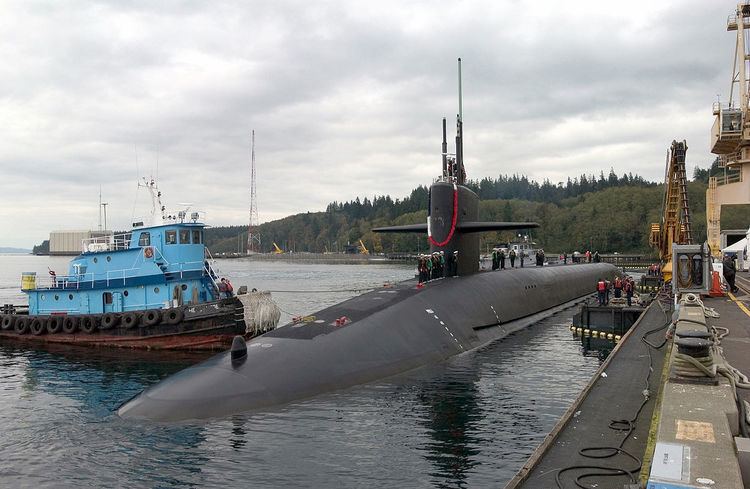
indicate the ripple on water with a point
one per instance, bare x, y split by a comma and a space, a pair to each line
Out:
469, 422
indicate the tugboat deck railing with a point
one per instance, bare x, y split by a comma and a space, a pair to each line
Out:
111, 242
114, 277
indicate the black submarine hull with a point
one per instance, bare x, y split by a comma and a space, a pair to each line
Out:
388, 331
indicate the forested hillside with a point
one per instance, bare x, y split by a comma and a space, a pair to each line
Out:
606, 213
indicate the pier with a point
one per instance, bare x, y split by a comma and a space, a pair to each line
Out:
666, 408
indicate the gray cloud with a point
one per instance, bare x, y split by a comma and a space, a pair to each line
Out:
345, 97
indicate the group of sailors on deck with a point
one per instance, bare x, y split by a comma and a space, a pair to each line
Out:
437, 265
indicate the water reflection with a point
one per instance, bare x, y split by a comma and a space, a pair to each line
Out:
452, 411
468, 422
596, 347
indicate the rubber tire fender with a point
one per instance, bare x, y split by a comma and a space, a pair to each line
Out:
7, 322
89, 324
38, 326
174, 316
70, 324
22, 325
129, 320
152, 317
54, 324
109, 320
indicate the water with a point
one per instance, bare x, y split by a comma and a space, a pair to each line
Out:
469, 422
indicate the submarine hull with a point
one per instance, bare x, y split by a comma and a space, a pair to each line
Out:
387, 331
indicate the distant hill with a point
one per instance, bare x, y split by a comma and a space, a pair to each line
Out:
604, 213
14, 250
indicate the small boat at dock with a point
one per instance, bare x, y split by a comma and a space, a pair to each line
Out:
153, 287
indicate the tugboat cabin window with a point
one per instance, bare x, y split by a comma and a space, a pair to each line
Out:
145, 239
171, 236
196, 236
107, 297
184, 236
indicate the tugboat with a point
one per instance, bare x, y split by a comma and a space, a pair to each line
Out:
153, 288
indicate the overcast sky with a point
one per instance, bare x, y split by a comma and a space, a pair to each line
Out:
346, 99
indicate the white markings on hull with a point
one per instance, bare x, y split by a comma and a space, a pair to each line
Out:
442, 323
495, 313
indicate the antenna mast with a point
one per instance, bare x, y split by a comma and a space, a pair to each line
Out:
461, 176
253, 237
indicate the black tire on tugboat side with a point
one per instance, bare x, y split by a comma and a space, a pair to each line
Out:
109, 320
152, 317
7, 322
38, 325
22, 325
129, 320
174, 316
90, 323
54, 324
70, 324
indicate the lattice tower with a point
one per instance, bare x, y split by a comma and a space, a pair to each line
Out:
253, 237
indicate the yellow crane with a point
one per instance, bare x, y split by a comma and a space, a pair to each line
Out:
675, 220
277, 250
363, 249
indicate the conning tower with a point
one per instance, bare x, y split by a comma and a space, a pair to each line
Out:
453, 208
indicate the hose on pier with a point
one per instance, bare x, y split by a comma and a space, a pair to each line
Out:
626, 426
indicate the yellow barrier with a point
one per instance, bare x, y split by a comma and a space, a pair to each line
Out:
28, 280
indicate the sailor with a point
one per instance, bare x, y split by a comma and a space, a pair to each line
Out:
565, 258
428, 264
729, 271
629, 289
455, 263
441, 264
522, 256
606, 291
495, 259
588, 256
512, 256
601, 290
230, 289
597, 258
618, 288
222, 288
501, 257
540, 257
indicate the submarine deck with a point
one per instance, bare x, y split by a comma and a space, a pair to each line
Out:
351, 310
615, 393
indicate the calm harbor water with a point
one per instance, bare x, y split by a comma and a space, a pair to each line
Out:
468, 422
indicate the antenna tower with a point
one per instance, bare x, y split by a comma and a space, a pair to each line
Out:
253, 237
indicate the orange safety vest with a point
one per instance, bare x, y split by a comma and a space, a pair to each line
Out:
618, 283
601, 286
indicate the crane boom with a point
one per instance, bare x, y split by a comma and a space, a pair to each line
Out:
675, 225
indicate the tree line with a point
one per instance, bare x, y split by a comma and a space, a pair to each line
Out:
604, 213
586, 212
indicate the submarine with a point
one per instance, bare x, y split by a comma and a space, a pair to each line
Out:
386, 331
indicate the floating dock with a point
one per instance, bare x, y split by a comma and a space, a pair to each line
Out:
652, 417
611, 416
